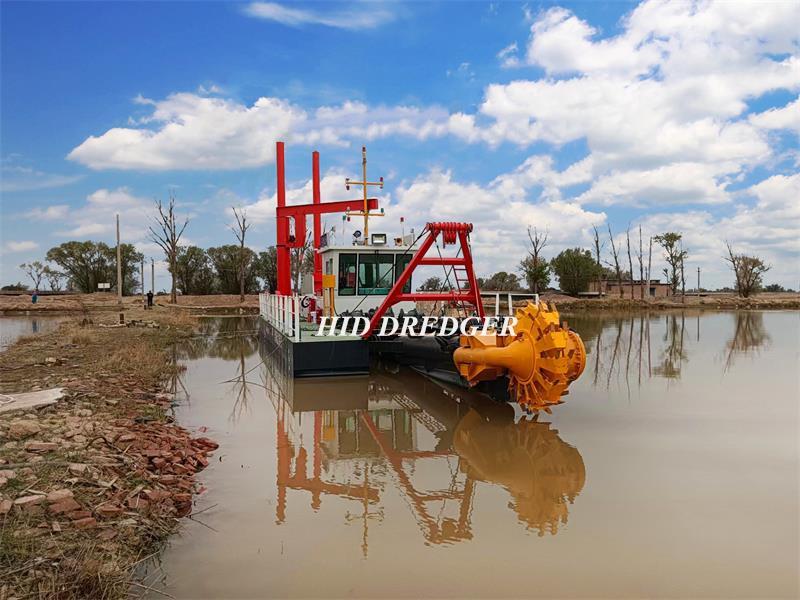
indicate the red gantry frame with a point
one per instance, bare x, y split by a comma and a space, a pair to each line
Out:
471, 295
298, 213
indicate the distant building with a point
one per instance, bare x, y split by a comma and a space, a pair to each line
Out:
610, 288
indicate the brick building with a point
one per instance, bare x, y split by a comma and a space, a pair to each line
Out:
610, 289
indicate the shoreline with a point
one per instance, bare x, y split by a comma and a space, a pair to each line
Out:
97, 481
221, 305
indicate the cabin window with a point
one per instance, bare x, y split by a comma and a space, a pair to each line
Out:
347, 274
400, 264
653, 292
375, 274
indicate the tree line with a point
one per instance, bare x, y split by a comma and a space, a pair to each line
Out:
577, 268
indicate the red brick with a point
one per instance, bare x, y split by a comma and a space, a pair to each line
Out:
85, 523
79, 514
65, 506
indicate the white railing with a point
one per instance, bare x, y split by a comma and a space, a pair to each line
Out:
282, 312
509, 299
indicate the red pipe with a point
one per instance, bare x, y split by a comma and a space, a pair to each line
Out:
282, 225
317, 224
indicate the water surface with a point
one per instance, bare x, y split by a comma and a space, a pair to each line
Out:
13, 328
670, 471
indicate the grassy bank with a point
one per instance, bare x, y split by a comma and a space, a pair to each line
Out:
92, 485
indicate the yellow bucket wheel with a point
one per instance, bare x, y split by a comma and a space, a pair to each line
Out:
540, 360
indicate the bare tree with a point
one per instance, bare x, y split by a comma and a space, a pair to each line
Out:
240, 231
640, 256
683, 274
301, 261
615, 256
748, 270
649, 261
598, 246
630, 260
537, 243
36, 271
166, 232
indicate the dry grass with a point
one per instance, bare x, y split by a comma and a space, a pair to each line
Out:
35, 561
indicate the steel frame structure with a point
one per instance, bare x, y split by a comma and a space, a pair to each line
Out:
298, 213
450, 232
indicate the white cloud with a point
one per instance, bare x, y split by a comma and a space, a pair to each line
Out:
97, 217
787, 117
194, 132
353, 17
500, 211
54, 212
17, 178
508, 56
21, 246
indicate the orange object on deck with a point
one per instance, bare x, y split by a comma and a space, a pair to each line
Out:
540, 360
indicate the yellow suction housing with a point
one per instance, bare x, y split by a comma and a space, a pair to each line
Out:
540, 360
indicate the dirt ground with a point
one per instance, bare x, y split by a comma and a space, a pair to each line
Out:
100, 301
93, 484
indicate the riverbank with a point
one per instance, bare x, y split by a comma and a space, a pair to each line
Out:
106, 302
226, 304
765, 301
93, 484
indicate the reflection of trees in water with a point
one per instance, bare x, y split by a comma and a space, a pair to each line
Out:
222, 337
673, 354
620, 348
748, 336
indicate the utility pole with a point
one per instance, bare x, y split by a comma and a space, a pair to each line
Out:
698, 281
153, 276
144, 302
119, 275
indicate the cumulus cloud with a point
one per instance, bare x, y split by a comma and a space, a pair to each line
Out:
787, 117
97, 217
501, 211
354, 17
54, 212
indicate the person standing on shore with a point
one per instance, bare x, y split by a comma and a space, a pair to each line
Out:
150, 299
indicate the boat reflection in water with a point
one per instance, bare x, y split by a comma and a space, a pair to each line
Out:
435, 443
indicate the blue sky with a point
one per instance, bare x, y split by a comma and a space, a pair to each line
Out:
674, 116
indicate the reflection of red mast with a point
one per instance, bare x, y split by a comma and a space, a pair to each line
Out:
450, 530
300, 480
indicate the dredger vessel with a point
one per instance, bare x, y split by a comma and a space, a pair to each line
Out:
370, 278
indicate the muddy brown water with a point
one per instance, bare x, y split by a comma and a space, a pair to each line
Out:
13, 328
670, 471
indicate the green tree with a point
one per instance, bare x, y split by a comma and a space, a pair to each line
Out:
575, 268
194, 271
14, 287
431, 284
502, 281
54, 278
226, 262
267, 268
675, 256
88, 263
537, 276
774, 287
